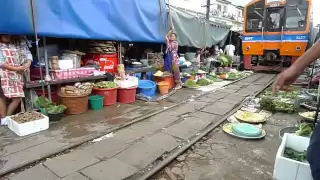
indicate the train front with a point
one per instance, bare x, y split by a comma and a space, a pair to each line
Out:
276, 33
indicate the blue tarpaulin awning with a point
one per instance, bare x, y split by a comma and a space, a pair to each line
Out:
119, 20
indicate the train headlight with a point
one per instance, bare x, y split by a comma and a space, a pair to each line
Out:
248, 48
298, 48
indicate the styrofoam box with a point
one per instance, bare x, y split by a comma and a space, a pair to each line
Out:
28, 127
288, 169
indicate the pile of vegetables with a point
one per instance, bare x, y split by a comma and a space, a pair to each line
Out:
282, 101
105, 84
191, 84
274, 104
204, 82
305, 129
225, 60
295, 155
51, 108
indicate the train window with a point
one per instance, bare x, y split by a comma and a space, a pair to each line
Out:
254, 17
273, 21
297, 16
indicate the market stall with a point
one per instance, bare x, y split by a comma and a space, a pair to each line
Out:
86, 72
57, 66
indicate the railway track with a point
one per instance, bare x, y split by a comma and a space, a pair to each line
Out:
205, 157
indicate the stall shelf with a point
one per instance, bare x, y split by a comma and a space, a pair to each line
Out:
35, 84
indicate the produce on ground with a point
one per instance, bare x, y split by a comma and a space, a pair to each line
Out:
232, 75
214, 78
305, 129
51, 108
191, 84
27, 117
308, 115
225, 60
56, 109
201, 72
283, 94
274, 104
204, 82
295, 155
249, 116
105, 84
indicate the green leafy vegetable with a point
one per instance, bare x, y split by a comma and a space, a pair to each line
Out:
295, 155
225, 60
56, 109
204, 82
305, 129
191, 84
43, 102
105, 84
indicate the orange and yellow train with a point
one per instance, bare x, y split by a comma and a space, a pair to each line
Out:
276, 33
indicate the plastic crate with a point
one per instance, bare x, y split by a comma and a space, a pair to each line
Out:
288, 169
28, 127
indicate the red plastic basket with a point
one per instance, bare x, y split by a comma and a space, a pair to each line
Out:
127, 95
109, 94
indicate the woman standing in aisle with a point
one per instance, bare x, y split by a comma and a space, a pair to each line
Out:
172, 58
15, 60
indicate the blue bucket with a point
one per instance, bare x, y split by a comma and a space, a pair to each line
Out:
147, 88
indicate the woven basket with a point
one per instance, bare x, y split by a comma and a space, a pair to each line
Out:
75, 104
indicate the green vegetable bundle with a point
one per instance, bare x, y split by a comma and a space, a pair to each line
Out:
225, 60
51, 108
295, 155
204, 82
305, 129
191, 84
105, 84
232, 75
275, 104
56, 109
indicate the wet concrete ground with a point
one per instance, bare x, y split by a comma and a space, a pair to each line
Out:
136, 148
15, 152
220, 156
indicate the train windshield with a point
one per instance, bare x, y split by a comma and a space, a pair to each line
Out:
254, 14
296, 15
274, 19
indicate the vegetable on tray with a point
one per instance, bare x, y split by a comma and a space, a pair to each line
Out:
204, 82
105, 84
274, 104
305, 129
295, 155
191, 84
308, 115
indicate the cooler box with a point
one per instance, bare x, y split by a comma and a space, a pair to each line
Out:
108, 62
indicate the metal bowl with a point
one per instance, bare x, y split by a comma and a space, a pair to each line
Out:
290, 130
